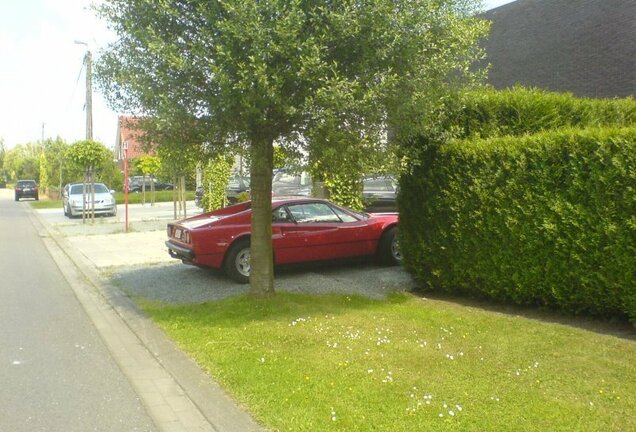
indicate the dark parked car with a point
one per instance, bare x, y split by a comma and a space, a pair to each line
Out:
26, 189
236, 185
380, 193
303, 230
290, 183
136, 183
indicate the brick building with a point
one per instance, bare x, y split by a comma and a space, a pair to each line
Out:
127, 133
586, 47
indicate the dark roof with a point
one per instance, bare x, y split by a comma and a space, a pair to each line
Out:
586, 47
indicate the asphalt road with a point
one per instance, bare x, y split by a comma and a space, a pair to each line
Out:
56, 374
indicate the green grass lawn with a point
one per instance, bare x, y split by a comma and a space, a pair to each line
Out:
336, 363
133, 198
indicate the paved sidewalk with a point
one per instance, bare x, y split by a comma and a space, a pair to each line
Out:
177, 394
136, 248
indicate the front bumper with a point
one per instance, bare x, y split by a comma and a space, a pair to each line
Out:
99, 209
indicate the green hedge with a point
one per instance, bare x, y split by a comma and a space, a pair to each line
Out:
522, 111
547, 219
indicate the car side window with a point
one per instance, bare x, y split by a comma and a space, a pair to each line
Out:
313, 213
280, 215
345, 217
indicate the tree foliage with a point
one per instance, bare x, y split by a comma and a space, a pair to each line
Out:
252, 73
44, 174
2, 153
149, 165
22, 161
88, 154
216, 175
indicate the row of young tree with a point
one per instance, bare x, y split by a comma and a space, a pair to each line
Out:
333, 80
54, 162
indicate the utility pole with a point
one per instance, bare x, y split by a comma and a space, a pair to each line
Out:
88, 176
88, 61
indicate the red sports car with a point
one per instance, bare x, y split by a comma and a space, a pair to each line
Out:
303, 229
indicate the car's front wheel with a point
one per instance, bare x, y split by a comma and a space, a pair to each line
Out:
237, 262
389, 248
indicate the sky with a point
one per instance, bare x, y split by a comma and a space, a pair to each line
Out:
42, 80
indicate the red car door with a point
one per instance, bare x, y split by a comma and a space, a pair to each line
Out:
316, 231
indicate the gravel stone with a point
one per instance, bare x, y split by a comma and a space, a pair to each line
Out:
183, 284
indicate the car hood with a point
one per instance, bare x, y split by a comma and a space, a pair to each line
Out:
98, 196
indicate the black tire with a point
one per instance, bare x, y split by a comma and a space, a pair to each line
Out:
388, 248
236, 265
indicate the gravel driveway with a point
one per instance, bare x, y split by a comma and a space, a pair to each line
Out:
138, 263
178, 283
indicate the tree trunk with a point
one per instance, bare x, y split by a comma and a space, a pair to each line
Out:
261, 254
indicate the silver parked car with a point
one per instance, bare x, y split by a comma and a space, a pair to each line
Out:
72, 198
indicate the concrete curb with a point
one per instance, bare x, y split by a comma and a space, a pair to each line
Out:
177, 394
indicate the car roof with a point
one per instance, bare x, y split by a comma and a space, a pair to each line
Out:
288, 199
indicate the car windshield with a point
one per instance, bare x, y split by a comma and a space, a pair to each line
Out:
99, 188
26, 183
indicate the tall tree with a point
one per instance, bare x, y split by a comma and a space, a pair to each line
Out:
22, 161
266, 71
2, 152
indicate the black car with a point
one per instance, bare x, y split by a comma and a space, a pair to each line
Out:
379, 193
236, 185
137, 183
291, 183
26, 189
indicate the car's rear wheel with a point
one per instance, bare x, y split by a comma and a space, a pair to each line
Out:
389, 248
237, 262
